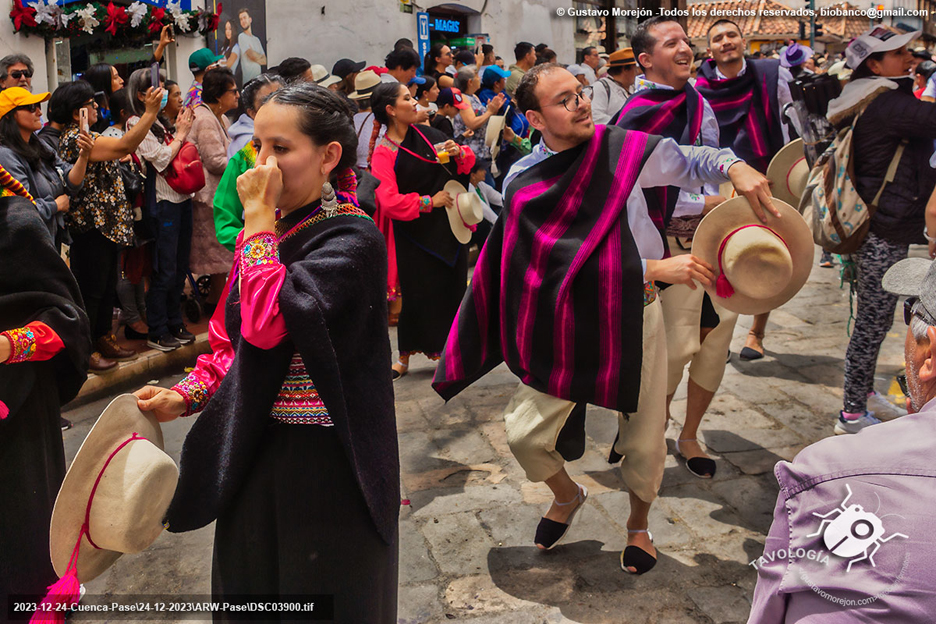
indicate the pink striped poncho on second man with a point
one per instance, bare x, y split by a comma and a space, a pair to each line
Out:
557, 292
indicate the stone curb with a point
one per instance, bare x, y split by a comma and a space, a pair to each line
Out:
130, 375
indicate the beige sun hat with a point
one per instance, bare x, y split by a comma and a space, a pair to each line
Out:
467, 211
495, 126
759, 266
788, 171
364, 84
121, 482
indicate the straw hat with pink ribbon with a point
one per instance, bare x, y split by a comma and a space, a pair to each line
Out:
759, 266
112, 501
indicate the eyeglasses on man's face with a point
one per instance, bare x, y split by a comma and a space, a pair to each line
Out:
19, 73
572, 102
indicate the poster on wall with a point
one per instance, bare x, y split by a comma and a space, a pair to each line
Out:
241, 38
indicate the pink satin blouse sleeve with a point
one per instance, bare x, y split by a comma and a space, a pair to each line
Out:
256, 263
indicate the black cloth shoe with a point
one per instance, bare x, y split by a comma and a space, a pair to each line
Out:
182, 335
549, 533
702, 467
637, 558
166, 342
748, 354
65, 423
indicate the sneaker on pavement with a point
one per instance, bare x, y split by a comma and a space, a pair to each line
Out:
843, 426
878, 404
65, 423
183, 335
166, 342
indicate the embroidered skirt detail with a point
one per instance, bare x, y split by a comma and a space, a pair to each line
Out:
298, 402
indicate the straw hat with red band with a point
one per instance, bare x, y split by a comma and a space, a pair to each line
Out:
787, 172
113, 499
18, 96
759, 266
467, 212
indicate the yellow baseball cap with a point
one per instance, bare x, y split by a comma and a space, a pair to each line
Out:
18, 96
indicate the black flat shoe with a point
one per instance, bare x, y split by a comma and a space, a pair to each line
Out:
637, 558
747, 353
395, 374
702, 467
550, 533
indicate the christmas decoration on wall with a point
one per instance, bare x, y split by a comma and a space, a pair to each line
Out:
137, 22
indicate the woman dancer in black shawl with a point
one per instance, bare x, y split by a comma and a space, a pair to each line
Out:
295, 453
45, 344
432, 264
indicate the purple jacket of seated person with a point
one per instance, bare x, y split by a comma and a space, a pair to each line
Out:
804, 575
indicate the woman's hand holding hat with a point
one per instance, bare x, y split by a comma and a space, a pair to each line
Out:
755, 187
259, 190
165, 404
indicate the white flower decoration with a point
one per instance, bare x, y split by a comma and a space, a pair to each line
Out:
174, 8
47, 11
89, 21
182, 22
66, 17
136, 11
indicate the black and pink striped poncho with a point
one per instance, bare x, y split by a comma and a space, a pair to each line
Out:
557, 292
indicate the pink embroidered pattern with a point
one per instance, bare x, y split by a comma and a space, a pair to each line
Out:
23, 343
425, 203
261, 248
195, 393
298, 402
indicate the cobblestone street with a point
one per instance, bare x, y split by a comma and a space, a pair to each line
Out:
469, 514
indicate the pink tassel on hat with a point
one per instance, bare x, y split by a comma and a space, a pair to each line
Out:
62, 595
723, 287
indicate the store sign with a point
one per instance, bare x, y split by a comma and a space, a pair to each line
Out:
422, 34
445, 24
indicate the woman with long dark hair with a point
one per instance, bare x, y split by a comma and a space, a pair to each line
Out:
105, 80
412, 212
100, 220
295, 450
229, 48
893, 127
438, 60
170, 212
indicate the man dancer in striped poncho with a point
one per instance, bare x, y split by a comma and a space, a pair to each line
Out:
698, 332
748, 97
563, 291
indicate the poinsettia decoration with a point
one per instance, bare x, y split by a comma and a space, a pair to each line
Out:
137, 22
23, 17
116, 16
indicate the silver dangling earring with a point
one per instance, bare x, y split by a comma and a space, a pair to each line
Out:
329, 202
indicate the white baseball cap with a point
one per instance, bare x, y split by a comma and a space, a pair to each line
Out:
877, 39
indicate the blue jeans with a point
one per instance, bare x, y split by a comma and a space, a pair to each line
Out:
173, 225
